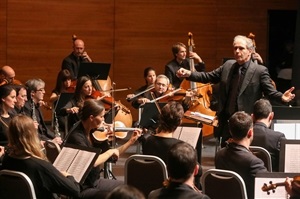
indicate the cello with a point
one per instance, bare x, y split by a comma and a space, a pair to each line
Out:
200, 102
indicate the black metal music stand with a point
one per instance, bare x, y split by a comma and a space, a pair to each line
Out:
96, 71
150, 115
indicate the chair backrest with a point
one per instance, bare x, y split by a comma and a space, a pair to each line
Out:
232, 184
145, 172
52, 150
262, 154
17, 185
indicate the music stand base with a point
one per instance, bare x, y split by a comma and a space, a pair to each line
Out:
107, 171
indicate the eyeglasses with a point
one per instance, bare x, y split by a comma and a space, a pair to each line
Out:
41, 90
161, 84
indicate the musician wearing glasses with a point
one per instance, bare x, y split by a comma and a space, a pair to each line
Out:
35, 95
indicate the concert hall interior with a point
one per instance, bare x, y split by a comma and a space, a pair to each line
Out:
38, 38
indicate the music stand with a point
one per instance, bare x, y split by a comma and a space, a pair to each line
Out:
150, 115
62, 100
94, 70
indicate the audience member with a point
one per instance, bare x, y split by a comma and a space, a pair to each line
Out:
25, 154
236, 156
242, 82
125, 192
91, 118
182, 167
263, 135
180, 61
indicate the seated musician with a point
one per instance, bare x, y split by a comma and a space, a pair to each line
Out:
78, 55
91, 118
35, 95
292, 187
161, 88
25, 154
150, 77
7, 75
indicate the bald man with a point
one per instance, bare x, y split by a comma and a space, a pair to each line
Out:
7, 75
79, 55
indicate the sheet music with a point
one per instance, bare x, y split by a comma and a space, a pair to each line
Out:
292, 158
65, 158
279, 193
74, 161
187, 134
289, 129
203, 115
81, 164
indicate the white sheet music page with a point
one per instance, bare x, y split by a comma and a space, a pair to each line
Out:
292, 158
65, 158
81, 164
190, 135
279, 193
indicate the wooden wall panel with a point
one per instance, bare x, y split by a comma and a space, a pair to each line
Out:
130, 34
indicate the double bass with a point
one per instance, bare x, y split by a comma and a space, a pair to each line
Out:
200, 102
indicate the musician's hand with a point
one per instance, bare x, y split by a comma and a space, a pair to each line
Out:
135, 135
57, 140
65, 173
288, 185
86, 56
114, 153
143, 100
183, 73
73, 110
288, 95
129, 96
257, 57
193, 55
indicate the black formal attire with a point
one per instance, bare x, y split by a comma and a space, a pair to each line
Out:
158, 146
173, 66
71, 118
72, 63
44, 133
268, 139
239, 88
93, 186
177, 191
4, 122
134, 102
239, 159
45, 178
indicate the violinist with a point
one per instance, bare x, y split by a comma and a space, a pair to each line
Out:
92, 118
7, 75
292, 187
35, 95
180, 61
63, 84
83, 91
79, 55
150, 77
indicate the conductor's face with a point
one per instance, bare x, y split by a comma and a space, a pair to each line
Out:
241, 53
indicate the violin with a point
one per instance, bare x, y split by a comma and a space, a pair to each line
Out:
167, 96
273, 186
121, 131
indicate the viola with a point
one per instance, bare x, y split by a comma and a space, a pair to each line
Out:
273, 186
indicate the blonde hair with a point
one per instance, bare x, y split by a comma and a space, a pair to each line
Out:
23, 138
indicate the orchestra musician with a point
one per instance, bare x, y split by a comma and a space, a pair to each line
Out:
180, 61
92, 118
182, 167
35, 95
7, 103
150, 77
21, 99
25, 154
242, 82
63, 84
7, 75
78, 55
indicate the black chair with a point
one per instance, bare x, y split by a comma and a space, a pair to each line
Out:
16, 185
262, 154
145, 172
52, 150
220, 184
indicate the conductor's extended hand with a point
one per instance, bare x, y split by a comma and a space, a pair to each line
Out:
288, 95
183, 72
